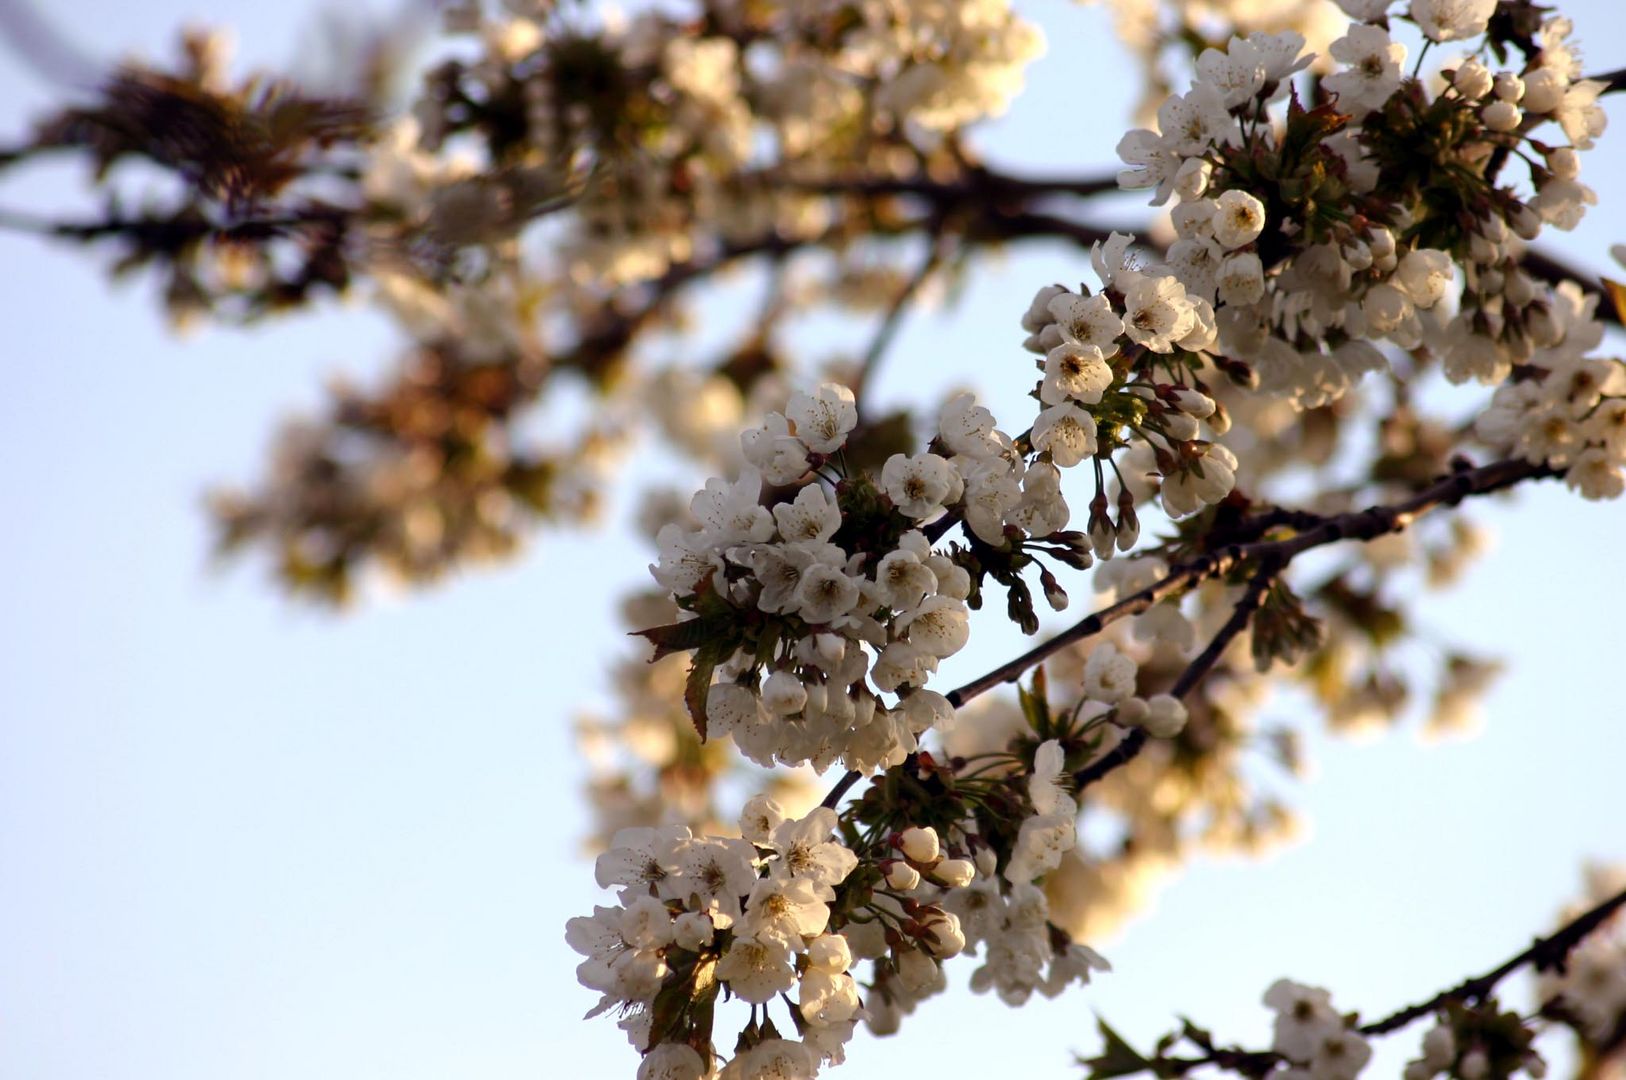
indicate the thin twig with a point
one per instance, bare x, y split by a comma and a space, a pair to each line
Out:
1544, 954
1369, 524
1248, 605
1087, 627
1548, 953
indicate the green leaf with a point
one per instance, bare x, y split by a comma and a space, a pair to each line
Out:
1035, 705
678, 637
1199, 1036
698, 685
1117, 1057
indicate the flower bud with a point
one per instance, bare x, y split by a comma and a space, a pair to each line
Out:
945, 927
902, 877
1502, 116
1179, 427
917, 971
1132, 711
1472, 79
830, 952
1542, 328
919, 844
1439, 1048
1508, 87
1054, 594
1526, 222
1193, 403
1518, 288
954, 873
1165, 716
1128, 526
1564, 163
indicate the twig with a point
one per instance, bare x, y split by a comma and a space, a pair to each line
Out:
1613, 81
1544, 954
1248, 605
1363, 525
842, 786
1548, 953
1087, 627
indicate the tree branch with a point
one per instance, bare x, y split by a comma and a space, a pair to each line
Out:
1252, 599
1271, 557
1548, 953
1544, 954
1368, 524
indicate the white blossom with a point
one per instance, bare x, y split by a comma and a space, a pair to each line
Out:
824, 418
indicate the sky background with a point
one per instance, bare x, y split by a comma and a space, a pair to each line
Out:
240, 838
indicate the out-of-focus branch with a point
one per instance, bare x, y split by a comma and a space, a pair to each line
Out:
43, 48
895, 311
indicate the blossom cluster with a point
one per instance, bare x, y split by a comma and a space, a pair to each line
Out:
794, 904
1123, 367
779, 589
1006, 916
751, 914
1564, 408
680, 127
1336, 229
1315, 1041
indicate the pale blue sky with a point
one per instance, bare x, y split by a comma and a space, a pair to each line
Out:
242, 839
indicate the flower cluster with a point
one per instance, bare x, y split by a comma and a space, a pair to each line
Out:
1316, 1042
1341, 227
1564, 408
810, 610
1476, 1044
751, 915
794, 904
785, 602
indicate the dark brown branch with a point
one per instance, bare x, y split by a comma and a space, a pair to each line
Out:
842, 787
1247, 606
1544, 954
1544, 266
1613, 81
1368, 524
1268, 555
976, 184
1087, 627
